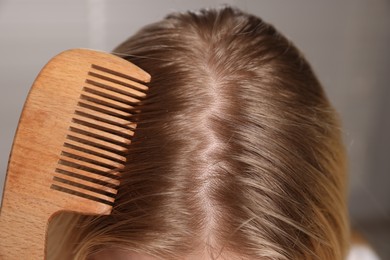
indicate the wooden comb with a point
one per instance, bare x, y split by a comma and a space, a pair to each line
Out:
70, 145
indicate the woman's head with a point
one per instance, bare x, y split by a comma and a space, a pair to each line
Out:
237, 152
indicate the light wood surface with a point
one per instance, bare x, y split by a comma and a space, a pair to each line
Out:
70, 143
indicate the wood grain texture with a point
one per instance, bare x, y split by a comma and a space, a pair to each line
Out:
70, 143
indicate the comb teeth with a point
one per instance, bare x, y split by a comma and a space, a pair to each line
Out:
99, 135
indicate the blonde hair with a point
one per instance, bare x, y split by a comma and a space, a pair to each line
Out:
237, 149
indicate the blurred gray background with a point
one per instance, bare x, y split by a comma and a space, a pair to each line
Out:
347, 42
